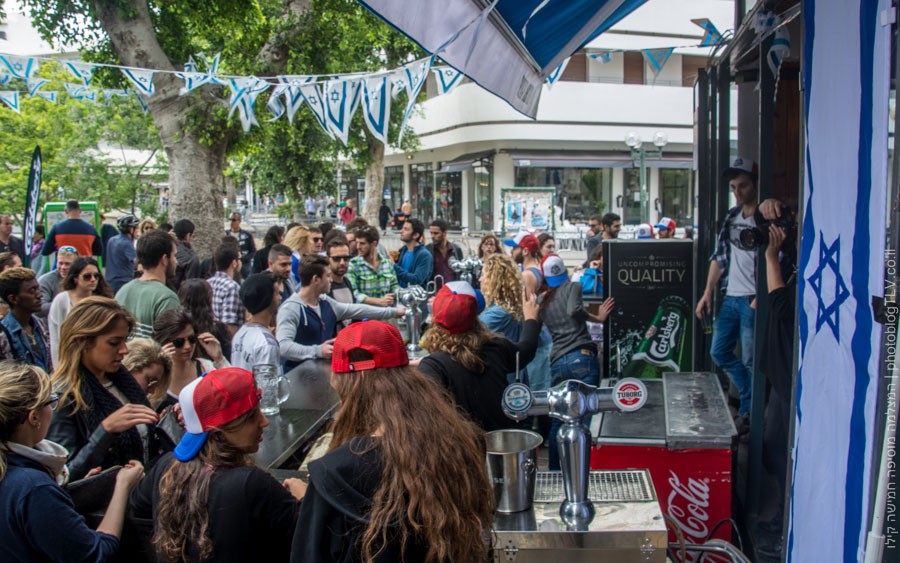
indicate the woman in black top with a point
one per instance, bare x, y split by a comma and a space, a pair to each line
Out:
196, 298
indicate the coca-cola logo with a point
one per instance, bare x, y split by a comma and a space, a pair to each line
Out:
630, 394
668, 337
687, 507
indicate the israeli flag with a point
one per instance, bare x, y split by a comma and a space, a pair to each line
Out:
711, 35
109, 94
342, 98
312, 94
18, 67
35, 84
10, 98
781, 48
602, 58
289, 89
554, 76
49, 96
657, 58
141, 101
4, 78
841, 266
193, 78
141, 78
244, 91
79, 92
82, 71
447, 78
413, 77
377, 106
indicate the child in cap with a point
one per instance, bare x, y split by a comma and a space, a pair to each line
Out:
574, 352
471, 361
386, 477
644, 231
209, 502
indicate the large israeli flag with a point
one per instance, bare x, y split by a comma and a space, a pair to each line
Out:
842, 259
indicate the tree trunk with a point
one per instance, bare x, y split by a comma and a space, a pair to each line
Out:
374, 179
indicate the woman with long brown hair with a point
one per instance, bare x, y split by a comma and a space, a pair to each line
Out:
385, 491
104, 417
208, 501
488, 245
196, 298
83, 280
38, 521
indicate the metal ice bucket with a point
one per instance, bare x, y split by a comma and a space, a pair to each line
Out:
512, 464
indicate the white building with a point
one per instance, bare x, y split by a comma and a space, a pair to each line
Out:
473, 144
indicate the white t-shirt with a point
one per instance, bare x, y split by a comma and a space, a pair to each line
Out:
742, 268
252, 345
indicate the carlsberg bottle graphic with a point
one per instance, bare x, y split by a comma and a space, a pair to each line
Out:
663, 344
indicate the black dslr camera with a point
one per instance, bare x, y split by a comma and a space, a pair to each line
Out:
758, 237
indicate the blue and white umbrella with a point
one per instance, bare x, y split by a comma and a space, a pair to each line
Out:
509, 47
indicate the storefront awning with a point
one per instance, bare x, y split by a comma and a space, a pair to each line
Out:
464, 162
594, 159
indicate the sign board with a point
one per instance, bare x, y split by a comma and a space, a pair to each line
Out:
528, 208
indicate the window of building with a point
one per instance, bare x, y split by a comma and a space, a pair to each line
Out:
448, 197
484, 195
676, 196
421, 191
393, 186
580, 192
631, 199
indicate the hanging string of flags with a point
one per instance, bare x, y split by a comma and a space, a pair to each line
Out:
332, 99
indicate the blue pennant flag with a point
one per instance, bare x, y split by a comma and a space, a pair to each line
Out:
244, 91
554, 76
141, 101
447, 78
711, 35
602, 58
377, 106
657, 58
49, 96
82, 71
413, 78
35, 84
110, 94
342, 97
19, 67
10, 98
141, 78
312, 94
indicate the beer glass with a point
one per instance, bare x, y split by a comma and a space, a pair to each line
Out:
274, 387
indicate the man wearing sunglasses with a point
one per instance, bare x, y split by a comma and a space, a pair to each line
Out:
338, 252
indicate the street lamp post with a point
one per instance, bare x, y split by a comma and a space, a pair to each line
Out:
638, 152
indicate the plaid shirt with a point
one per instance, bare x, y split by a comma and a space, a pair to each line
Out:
722, 254
369, 282
227, 306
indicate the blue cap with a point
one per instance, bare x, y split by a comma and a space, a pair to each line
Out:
189, 446
479, 297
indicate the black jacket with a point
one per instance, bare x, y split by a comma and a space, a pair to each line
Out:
188, 263
480, 394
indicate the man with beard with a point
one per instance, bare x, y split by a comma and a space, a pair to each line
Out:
527, 253
280, 264
227, 305
148, 296
372, 276
415, 264
442, 251
339, 262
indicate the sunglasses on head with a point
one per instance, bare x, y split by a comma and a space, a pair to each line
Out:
69, 249
90, 276
179, 342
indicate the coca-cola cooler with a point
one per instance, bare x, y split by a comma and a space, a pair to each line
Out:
683, 435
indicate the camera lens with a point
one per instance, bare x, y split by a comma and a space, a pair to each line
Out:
753, 237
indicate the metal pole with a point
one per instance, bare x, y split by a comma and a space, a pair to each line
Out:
645, 196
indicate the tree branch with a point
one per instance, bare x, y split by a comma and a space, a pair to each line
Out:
273, 56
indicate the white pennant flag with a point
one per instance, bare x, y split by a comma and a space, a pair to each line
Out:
35, 84
141, 101
289, 89
554, 76
194, 79
49, 96
312, 94
377, 105
110, 94
244, 92
10, 98
413, 76
79, 92
19, 67
447, 78
342, 97
142, 80
82, 71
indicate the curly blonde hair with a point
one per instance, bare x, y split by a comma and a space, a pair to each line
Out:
465, 348
503, 284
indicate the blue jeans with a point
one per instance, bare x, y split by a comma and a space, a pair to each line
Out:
574, 365
735, 320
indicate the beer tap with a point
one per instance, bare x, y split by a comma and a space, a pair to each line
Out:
412, 298
467, 269
572, 402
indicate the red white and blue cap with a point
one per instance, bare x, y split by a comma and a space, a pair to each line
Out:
741, 165
210, 401
554, 270
526, 240
455, 307
666, 223
644, 231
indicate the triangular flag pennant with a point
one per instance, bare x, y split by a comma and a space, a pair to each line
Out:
293, 98
19, 67
711, 35
342, 97
142, 80
602, 58
49, 96
10, 98
194, 79
141, 101
781, 48
244, 92
413, 77
35, 84
556, 74
110, 94
447, 78
312, 94
79, 92
274, 104
377, 105
398, 82
82, 71
657, 58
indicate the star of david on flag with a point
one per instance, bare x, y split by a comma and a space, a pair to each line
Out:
657, 58
447, 78
312, 94
19, 67
343, 97
82, 71
142, 80
377, 106
244, 92
829, 297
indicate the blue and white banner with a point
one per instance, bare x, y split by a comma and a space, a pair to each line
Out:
289, 89
82, 71
10, 98
711, 35
18, 67
556, 74
49, 96
602, 58
79, 92
447, 78
4, 78
657, 59
193, 78
413, 78
244, 92
141, 101
377, 105
781, 48
109, 94
312, 94
342, 98
35, 84
841, 267
142, 80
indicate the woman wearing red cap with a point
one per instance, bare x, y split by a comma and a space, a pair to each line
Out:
208, 500
386, 491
